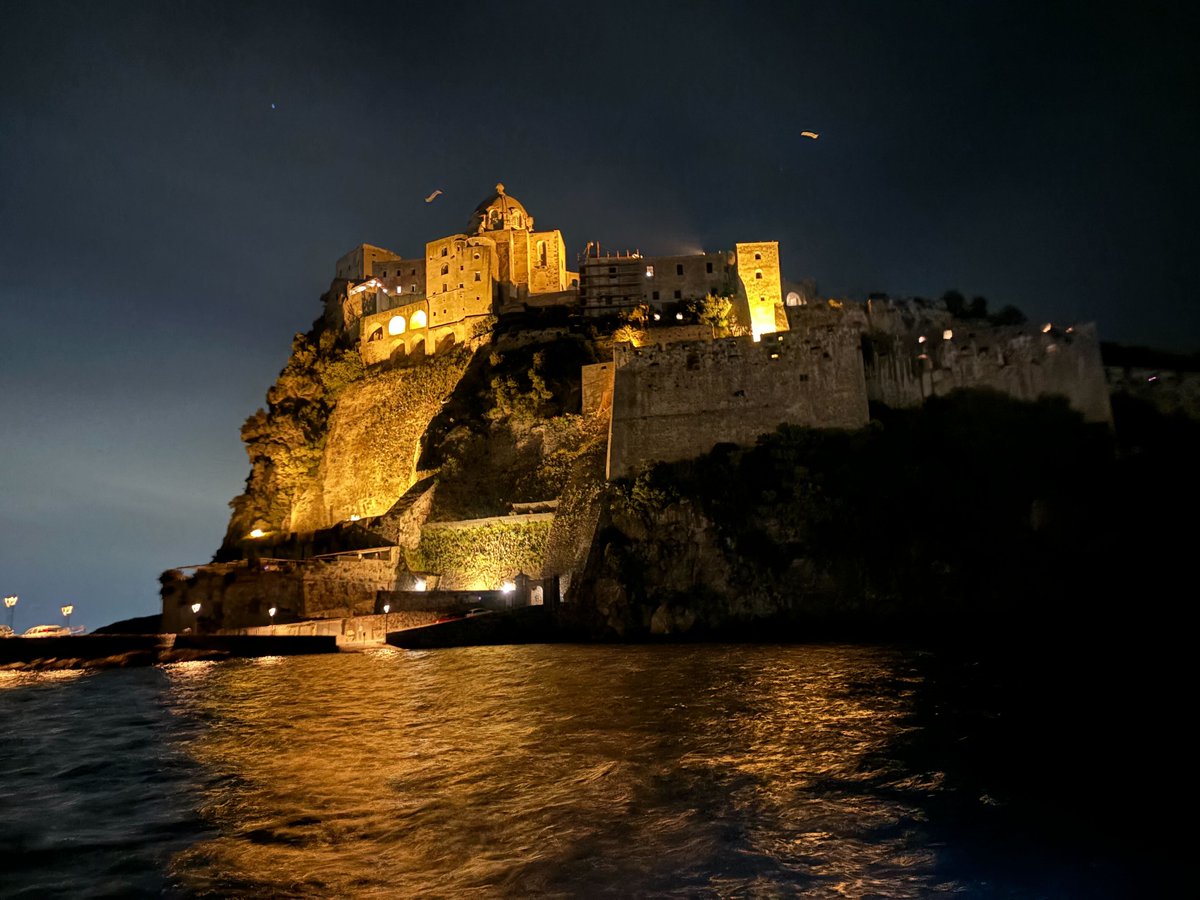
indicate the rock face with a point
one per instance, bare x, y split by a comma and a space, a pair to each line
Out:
374, 439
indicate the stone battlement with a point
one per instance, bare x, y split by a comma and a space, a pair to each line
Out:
679, 400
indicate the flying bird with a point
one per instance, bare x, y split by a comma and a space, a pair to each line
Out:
432, 197
809, 134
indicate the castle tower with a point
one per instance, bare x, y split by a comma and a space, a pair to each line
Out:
528, 261
759, 284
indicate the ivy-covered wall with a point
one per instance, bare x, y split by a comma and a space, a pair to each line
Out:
482, 557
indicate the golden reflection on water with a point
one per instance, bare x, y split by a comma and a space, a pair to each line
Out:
551, 769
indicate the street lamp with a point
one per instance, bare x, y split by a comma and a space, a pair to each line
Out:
66, 611
196, 616
387, 608
11, 601
271, 612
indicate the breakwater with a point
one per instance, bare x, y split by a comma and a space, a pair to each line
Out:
124, 650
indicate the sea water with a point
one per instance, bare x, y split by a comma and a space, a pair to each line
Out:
698, 770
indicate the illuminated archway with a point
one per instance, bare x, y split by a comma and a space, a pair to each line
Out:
396, 325
418, 319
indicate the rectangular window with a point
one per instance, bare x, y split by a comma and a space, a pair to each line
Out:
413, 288
678, 295
654, 296
649, 271
612, 270
679, 269
477, 276
708, 268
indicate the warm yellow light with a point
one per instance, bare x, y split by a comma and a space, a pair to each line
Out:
257, 533
196, 608
1046, 328
396, 325
921, 339
271, 612
387, 608
11, 601
355, 517
67, 610
948, 335
418, 319
508, 587
419, 584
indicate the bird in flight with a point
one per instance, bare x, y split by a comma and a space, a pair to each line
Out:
809, 134
432, 197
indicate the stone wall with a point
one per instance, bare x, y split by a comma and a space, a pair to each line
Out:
240, 595
1025, 363
597, 381
677, 402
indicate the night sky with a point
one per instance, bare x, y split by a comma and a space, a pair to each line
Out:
177, 180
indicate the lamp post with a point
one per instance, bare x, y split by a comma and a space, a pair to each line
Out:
271, 612
11, 601
196, 616
387, 608
66, 611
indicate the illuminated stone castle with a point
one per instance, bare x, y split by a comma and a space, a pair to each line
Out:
396, 306
340, 519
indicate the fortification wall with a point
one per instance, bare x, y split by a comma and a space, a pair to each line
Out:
597, 383
240, 595
1025, 363
678, 401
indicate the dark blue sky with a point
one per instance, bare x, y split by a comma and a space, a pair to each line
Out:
164, 231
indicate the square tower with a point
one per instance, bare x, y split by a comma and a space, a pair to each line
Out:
759, 283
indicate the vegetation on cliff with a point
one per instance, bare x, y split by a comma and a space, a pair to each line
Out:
973, 508
285, 440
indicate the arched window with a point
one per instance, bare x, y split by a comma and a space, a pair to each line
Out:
396, 325
541, 252
418, 319
376, 335
793, 299
445, 268
758, 274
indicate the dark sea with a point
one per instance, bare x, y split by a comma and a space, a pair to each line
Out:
574, 771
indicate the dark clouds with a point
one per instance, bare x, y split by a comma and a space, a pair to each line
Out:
165, 231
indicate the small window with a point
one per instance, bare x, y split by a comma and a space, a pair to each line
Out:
758, 274
477, 278
708, 268
460, 284
413, 288
383, 274
649, 271
445, 268
654, 295
445, 251
413, 272
679, 269
475, 255
541, 253
399, 289
612, 270
678, 295
376, 335
757, 256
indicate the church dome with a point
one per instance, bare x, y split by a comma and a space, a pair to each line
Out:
498, 212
